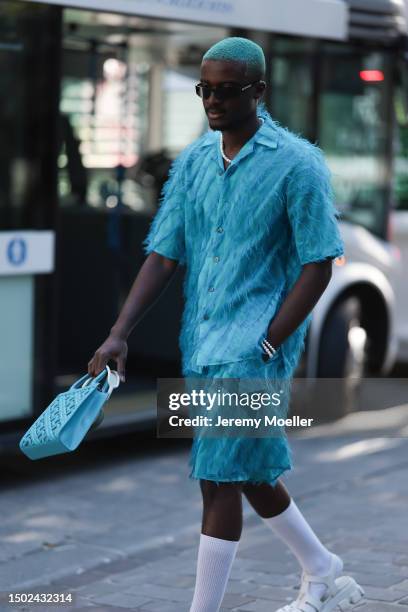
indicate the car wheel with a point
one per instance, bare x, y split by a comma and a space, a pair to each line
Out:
342, 357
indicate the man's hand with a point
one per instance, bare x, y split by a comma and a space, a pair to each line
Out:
114, 348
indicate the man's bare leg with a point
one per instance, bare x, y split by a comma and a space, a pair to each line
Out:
222, 509
267, 501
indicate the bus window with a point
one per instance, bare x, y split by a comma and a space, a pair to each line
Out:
103, 114
353, 132
29, 44
127, 100
338, 97
183, 116
401, 151
291, 92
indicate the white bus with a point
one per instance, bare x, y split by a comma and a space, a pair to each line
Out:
96, 98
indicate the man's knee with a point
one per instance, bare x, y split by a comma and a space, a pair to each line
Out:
211, 488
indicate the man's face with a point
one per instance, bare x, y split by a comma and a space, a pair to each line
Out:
230, 113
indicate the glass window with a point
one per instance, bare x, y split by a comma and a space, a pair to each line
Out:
103, 114
353, 132
29, 50
338, 96
401, 150
183, 115
291, 92
128, 106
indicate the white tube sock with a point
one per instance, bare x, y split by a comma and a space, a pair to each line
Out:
214, 563
293, 529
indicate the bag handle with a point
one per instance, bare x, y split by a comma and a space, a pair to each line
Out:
112, 380
84, 380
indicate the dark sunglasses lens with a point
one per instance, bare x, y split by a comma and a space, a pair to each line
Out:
203, 91
221, 93
226, 93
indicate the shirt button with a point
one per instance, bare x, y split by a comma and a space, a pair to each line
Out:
206, 317
211, 289
220, 230
216, 259
220, 172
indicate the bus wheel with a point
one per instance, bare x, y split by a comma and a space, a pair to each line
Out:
342, 357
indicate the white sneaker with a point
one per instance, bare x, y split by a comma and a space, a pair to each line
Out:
341, 593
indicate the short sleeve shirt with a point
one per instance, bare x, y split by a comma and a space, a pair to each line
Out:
244, 234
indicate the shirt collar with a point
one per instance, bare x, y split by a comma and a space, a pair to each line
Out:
267, 134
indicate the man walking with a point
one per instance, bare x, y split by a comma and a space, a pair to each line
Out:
248, 209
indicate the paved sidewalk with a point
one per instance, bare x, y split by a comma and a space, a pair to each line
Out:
127, 536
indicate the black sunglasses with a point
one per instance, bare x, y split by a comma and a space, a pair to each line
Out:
223, 91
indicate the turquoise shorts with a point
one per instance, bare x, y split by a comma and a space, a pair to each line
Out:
242, 459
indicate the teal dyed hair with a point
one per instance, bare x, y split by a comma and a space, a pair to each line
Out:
236, 49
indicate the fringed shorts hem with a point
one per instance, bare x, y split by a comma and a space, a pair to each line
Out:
250, 479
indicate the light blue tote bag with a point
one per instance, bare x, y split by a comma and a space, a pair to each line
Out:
66, 421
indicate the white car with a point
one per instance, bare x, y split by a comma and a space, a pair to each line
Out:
399, 221
353, 331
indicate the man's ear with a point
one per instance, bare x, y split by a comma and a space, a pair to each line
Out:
259, 89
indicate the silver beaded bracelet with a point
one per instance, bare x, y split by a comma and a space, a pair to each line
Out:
268, 348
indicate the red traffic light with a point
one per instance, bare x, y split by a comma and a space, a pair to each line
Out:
372, 76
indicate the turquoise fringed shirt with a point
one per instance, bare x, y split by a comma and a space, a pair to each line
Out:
244, 234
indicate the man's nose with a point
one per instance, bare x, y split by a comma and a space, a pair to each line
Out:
213, 100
